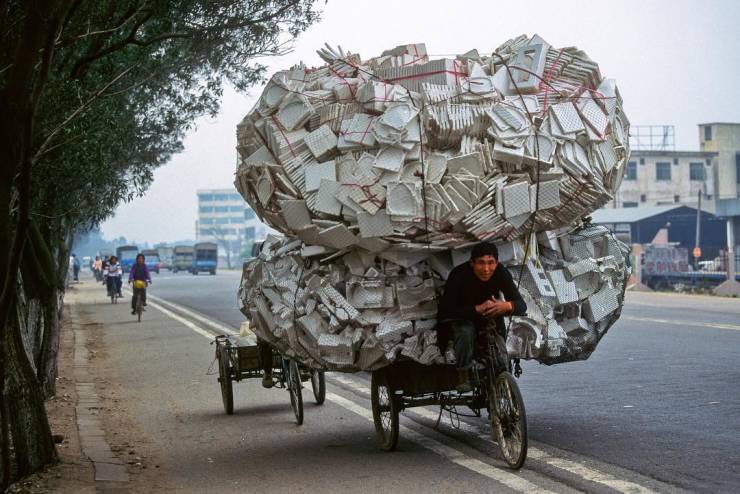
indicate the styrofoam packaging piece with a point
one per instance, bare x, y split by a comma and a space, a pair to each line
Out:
317, 172
374, 225
321, 142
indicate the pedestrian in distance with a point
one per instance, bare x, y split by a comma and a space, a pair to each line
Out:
75, 268
140, 278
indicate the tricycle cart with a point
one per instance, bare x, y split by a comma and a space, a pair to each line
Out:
238, 358
407, 384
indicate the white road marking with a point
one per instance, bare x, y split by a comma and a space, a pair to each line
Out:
714, 325
510, 480
589, 473
182, 320
195, 315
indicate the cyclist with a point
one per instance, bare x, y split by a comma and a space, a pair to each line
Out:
477, 295
97, 267
139, 276
113, 273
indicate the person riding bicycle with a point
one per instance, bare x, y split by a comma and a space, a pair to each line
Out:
139, 276
97, 267
477, 296
113, 273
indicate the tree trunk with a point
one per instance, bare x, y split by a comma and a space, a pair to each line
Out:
29, 426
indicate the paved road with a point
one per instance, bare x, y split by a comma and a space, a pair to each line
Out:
658, 402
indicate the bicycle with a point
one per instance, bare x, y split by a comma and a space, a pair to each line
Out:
139, 289
406, 384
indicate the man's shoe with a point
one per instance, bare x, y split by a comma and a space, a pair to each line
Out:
133, 312
267, 381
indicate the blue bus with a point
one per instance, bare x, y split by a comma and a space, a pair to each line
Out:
205, 258
151, 259
126, 255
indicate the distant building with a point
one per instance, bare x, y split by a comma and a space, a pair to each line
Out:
663, 177
225, 218
724, 139
640, 225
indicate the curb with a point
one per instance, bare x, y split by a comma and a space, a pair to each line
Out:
110, 470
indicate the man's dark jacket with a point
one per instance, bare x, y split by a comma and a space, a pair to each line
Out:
463, 291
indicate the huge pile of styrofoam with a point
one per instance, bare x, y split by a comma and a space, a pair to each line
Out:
382, 172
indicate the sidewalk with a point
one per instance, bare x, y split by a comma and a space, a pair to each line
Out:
94, 456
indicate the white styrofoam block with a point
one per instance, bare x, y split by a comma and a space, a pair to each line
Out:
321, 142
296, 214
337, 236
567, 116
549, 195
403, 198
326, 201
389, 158
374, 225
317, 172
516, 199
472, 163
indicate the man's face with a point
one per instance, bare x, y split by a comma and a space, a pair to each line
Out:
484, 266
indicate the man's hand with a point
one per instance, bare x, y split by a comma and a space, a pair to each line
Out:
483, 308
498, 308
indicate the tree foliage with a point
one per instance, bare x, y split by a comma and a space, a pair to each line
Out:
95, 95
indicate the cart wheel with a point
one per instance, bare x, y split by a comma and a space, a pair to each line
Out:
508, 420
224, 377
318, 383
385, 412
294, 386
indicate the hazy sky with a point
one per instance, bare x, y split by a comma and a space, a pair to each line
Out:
675, 62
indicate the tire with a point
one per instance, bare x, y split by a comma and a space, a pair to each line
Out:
294, 387
508, 420
213, 273
224, 378
139, 307
385, 412
318, 383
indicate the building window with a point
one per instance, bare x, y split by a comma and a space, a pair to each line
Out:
643, 198
249, 214
708, 133
205, 197
236, 197
206, 231
249, 232
206, 221
221, 197
663, 171
237, 220
631, 172
629, 204
221, 209
236, 209
642, 161
737, 167
206, 209
676, 198
696, 171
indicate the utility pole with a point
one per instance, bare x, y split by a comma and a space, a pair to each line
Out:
697, 248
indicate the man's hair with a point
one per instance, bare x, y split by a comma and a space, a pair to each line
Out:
484, 249
140, 255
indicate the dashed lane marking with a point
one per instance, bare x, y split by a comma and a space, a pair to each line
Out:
714, 325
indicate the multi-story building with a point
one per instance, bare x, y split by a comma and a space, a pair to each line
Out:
224, 218
663, 177
724, 139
